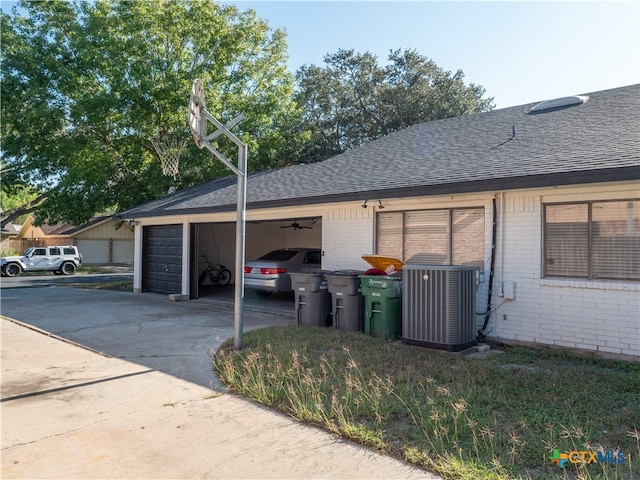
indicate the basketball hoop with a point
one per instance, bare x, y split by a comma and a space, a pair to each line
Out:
198, 118
169, 148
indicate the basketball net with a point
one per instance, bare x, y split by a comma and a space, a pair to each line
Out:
169, 148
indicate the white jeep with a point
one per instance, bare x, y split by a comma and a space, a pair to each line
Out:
63, 260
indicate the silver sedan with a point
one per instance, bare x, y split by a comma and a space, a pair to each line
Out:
270, 272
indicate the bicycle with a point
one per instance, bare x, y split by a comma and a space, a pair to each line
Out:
218, 274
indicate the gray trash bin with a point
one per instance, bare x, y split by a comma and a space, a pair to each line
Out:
313, 301
346, 300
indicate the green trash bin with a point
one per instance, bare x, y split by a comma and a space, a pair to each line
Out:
382, 292
382, 305
313, 302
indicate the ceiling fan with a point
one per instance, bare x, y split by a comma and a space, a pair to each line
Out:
295, 225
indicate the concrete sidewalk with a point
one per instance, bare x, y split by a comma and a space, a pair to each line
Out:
68, 412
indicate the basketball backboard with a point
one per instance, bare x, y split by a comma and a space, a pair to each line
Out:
197, 106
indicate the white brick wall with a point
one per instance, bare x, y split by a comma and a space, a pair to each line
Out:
596, 316
592, 315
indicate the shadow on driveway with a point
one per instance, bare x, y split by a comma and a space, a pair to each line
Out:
177, 338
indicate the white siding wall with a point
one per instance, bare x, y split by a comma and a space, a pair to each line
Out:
347, 234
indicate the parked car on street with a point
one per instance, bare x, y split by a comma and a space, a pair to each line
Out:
270, 272
63, 260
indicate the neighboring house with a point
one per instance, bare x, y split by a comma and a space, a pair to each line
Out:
7, 234
104, 240
560, 183
31, 235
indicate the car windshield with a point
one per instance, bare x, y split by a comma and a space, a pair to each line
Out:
28, 251
279, 255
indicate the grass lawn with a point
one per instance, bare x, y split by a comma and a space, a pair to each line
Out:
499, 416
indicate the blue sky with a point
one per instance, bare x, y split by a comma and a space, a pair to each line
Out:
521, 52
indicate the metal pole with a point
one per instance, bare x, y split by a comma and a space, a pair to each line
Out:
240, 244
197, 118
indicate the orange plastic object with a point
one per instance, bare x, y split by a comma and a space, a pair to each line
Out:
383, 262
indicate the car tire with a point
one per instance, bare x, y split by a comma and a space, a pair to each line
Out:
12, 270
68, 268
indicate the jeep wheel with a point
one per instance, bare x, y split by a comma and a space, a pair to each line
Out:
68, 268
12, 270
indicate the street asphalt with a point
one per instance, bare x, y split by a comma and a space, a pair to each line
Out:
104, 384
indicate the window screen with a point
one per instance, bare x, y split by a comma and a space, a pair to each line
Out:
615, 239
389, 241
426, 234
433, 237
593, 240
468, 237
567, 242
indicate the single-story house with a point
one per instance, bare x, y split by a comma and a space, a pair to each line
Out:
7, 234
19, 237
548, 193
102, 240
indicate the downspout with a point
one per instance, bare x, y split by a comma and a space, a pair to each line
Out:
501, 226
482, 332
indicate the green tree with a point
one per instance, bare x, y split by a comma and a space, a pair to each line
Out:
16, 198
86, 84
353, 99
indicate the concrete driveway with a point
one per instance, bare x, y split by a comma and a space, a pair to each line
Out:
178, 338
152, 408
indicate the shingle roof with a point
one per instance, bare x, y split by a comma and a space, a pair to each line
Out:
94, 221
56, 229
592, 142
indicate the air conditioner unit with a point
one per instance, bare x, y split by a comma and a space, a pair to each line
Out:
439, 305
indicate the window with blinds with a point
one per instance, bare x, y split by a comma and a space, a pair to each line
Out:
435, 237
596, 240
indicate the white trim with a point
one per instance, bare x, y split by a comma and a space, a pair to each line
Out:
591, 284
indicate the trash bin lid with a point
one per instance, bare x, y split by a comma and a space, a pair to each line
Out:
383, 263
313, 272
344, 273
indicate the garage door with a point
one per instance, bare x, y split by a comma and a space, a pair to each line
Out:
94, 251
123, 251
162, 259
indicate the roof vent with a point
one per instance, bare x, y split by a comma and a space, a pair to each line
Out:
558, 103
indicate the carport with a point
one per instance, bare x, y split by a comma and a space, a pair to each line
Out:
215, 242
163, 252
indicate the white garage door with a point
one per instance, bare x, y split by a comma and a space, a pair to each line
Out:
123, 251
94, 251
